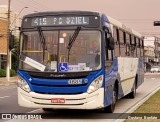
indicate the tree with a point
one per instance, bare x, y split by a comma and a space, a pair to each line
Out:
15, 54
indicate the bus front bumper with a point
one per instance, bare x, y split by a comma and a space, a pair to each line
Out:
93, 100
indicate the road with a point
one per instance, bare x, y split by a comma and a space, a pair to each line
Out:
8, 100
8, 104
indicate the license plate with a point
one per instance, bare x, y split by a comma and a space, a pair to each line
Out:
58, 100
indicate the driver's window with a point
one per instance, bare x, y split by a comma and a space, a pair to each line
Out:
109, 53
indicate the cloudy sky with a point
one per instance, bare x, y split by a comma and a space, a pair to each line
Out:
137, 14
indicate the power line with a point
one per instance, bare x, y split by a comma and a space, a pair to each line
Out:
35, 5
137, 22
29, 5
39, 4
139, 19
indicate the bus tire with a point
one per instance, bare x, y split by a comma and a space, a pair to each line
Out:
47, 109
133, 93
111, 107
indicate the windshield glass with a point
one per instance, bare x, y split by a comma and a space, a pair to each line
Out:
83, 55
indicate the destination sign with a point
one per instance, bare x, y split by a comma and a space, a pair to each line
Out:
49, 21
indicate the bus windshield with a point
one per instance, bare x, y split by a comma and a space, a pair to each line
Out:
84, 53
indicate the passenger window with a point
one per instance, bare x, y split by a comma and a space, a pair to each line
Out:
135, 41
138, 48
127, 38
122, 43
128, 49
115, 34
116, 42
133, 47
141, 47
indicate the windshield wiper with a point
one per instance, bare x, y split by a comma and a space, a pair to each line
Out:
72, 40
43, 41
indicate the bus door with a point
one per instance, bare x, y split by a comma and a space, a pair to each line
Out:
109, 80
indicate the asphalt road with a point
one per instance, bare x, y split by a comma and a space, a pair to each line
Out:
8, 100
8, 104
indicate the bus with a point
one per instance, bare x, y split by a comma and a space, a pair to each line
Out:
77, 60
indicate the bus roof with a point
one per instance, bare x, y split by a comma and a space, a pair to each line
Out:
110, 19
123, 27
63, 13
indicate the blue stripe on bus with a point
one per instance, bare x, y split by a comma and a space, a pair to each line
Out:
58, 86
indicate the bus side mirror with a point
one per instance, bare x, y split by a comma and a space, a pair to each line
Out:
111, 43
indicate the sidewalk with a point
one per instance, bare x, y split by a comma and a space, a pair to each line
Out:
157, 74
3, 80
148, 73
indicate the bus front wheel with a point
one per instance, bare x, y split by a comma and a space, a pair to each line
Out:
111, 107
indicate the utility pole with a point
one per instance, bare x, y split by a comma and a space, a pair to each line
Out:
157, 44
8, 52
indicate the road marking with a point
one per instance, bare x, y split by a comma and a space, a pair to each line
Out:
34, 110
4, 97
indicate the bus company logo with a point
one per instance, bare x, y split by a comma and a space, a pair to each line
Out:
58, 76
75, 81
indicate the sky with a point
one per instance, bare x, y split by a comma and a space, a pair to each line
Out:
137, 14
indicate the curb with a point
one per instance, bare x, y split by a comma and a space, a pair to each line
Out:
149, 74
7, 84
4, 82
135, 106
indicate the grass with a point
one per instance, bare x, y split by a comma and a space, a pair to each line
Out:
151, 106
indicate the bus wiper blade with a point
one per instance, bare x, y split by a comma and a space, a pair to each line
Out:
73, 38
43, 41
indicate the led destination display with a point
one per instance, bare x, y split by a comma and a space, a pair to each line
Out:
49, 21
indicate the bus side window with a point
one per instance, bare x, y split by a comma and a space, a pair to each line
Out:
109, 53
133, 48
116, 42
138, 48
141, 48
122, 43
127, 44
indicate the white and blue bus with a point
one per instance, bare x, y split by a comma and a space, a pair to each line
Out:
77, 60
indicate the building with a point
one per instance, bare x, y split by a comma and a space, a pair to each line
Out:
151, 51
14, 19
14, 24
3, 43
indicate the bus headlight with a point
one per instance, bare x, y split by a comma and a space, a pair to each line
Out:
96, 84
23, 84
